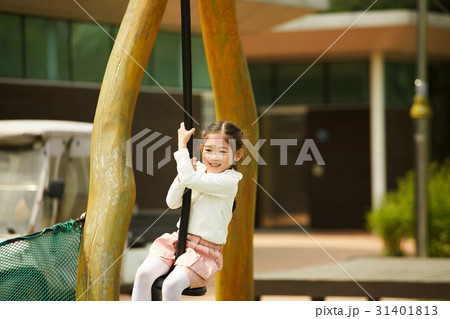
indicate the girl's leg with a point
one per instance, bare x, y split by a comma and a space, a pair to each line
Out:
151, 269
174, 285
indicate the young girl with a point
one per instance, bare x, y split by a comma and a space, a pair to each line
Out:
214, 185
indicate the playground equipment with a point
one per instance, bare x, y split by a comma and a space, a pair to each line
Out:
111, 185
41, 266
233, 97
112, 188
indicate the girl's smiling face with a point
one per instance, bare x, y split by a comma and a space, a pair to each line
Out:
217, 154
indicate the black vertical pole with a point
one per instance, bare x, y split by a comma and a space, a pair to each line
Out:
187, 100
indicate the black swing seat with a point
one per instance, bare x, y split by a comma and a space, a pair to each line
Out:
157, 287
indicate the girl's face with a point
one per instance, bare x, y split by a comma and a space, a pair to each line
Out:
217, 154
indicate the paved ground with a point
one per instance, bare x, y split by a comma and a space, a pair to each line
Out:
293, 249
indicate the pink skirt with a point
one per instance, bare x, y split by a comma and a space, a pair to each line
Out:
201, 261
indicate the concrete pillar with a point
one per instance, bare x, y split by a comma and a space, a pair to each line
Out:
377, 128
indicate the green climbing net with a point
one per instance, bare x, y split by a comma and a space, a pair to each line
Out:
41, 266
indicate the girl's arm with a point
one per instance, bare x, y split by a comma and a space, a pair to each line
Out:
174, 198
221, 185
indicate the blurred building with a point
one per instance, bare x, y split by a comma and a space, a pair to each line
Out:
53, 59
352, 78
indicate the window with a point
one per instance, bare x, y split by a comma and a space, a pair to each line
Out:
308, 88
47, 52
11, 62
399, 84
42, 48
348, 82
20, 178
200, 73
335, 83
165, 60
91, 48
261, 77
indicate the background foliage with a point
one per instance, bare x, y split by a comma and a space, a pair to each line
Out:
361, 5
394, 220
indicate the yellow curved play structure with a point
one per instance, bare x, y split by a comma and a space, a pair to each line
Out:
112, 187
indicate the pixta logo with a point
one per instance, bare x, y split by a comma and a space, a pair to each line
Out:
143, 146
304, 155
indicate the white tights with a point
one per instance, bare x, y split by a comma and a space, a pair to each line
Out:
151, 269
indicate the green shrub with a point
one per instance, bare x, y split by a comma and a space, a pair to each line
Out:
394, 220
439, 208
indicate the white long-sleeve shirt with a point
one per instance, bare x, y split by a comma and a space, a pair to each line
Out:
212, 197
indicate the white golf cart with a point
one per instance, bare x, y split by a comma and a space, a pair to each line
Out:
44, 173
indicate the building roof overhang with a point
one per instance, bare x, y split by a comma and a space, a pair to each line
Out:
334, 36
253, 15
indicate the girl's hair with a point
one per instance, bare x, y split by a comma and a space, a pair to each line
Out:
233, 136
